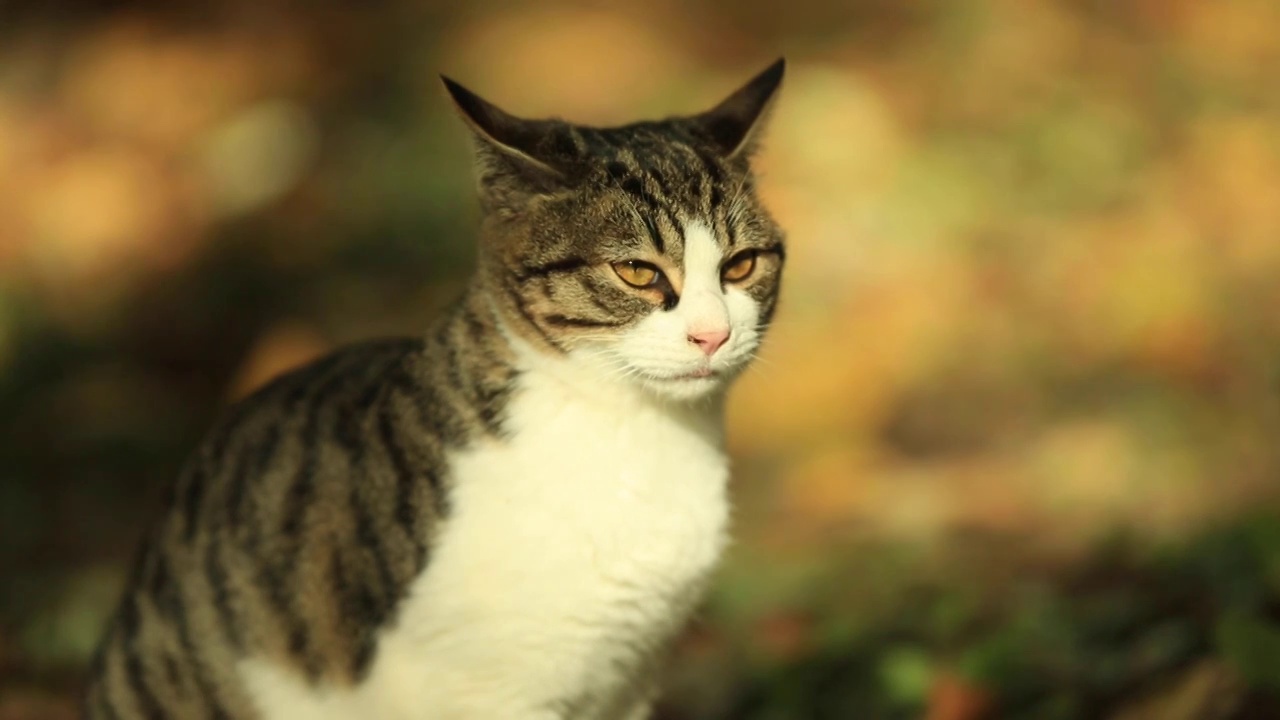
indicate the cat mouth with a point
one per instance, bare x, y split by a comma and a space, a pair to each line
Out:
699, 374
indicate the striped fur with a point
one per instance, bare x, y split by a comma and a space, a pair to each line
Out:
300, 528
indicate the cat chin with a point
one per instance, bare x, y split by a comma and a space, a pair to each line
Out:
686, 388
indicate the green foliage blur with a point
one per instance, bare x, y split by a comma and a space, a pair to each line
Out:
1011, 449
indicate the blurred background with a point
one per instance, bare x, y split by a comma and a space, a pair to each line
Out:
1013, 449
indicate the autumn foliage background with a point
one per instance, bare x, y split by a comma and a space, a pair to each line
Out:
1013, 447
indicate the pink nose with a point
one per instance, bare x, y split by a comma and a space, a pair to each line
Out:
709, 340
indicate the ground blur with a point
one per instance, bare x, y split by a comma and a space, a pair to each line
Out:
1011, 449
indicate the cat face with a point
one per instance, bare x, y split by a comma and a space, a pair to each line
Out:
714, 322
640, 252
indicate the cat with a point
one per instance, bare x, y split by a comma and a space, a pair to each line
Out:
511, 517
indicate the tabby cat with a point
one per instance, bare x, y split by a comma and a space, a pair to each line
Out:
510, 517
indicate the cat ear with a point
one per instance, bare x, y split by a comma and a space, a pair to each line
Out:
734, 126
500, 135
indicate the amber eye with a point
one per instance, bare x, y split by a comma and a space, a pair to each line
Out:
739, 267
637, 273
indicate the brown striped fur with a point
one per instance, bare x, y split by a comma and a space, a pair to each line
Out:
296, 527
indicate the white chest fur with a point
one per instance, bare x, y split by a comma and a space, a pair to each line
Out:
574, 552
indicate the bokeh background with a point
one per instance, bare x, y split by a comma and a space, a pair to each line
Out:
1012, 450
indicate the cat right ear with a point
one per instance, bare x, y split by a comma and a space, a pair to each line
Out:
500, 135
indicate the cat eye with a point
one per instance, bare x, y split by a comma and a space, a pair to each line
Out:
739, 267
638, 273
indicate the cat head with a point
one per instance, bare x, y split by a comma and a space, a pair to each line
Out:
640, 251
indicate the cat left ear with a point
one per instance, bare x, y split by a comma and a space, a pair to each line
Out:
511, 137
735, 125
